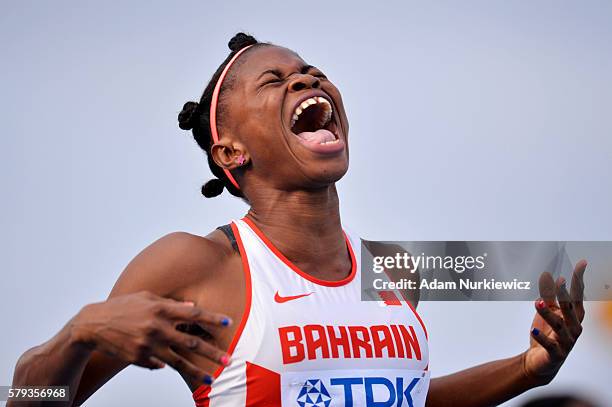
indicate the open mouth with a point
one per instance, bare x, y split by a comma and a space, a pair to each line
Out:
313, 122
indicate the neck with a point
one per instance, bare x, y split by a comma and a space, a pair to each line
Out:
304, 226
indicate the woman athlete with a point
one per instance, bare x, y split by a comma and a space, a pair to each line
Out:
266, 311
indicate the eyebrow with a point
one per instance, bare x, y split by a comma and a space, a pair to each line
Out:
304, 69
272, 71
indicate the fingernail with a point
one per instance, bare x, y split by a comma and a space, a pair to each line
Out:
535, 331
225, 360
540, 304
208, 380
226, 321
191, 303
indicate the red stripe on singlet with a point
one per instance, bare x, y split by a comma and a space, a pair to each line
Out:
263, 386
200, 396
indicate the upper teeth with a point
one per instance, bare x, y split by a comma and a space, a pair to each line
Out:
327, 108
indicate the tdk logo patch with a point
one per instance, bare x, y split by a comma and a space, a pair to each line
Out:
396, 392
314, 394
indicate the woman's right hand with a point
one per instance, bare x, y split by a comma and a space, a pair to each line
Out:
140, 329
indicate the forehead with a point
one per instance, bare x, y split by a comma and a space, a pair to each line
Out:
269, 57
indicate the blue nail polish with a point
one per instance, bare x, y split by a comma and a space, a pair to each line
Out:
225, 321
208, 380
535, 331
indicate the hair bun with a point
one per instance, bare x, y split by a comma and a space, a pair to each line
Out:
213, 188
189, 116
240, 41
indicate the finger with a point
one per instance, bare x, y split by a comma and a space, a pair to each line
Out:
158, 364
139, 357
546, 284
170, 301
149, 362
187, 312
567, 309
547, 343
183, 366
194, 344
577, 288
554, 321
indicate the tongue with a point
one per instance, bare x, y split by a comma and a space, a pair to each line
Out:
317, 137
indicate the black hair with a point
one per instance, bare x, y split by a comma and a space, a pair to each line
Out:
196, 117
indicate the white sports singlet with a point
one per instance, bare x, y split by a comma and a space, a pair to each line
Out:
306, 342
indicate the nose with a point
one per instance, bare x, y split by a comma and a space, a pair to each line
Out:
303, 81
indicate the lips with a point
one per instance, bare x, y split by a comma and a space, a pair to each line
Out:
313, 123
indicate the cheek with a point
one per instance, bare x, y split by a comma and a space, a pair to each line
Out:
264, 141
265, 115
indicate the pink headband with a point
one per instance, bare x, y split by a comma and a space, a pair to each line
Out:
213, 107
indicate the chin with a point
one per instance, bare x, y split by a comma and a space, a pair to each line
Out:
327, 175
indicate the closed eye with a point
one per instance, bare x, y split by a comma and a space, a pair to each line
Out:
270, 76
318, 74
271, 80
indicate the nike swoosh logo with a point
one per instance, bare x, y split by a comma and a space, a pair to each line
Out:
281, 299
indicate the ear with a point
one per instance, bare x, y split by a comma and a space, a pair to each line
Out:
225, 153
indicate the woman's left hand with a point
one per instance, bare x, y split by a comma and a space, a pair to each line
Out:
556, 326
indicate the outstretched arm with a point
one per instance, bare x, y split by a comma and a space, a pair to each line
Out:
554, 331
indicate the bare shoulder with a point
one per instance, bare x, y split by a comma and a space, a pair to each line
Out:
175, 261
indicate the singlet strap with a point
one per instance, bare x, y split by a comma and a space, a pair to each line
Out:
227, 230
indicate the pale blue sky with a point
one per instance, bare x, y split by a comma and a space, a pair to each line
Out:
478, 120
